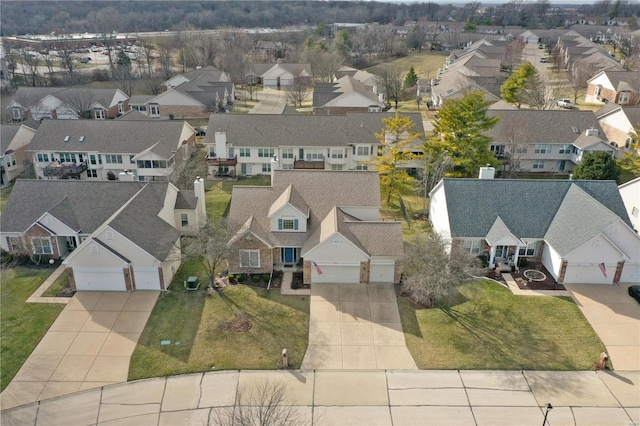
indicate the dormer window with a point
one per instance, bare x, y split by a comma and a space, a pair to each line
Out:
287, 224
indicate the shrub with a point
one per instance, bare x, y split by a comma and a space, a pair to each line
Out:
265, 277
256, 278
240, 278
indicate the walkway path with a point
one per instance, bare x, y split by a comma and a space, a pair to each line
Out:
355, 326
36, 297
357, 398
89, 345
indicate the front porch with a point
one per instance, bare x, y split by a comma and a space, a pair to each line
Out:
531, 275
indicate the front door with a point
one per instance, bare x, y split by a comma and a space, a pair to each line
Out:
501, 251
563, 164
245, 169
289, 255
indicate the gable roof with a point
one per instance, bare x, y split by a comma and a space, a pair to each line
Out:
7, 133
528, 207
263, 130
622, 80
87, 97
352, 189
109, 136
329, 94
29, 96
540, 126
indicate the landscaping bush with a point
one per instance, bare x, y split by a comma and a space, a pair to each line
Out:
265, 277
240, 278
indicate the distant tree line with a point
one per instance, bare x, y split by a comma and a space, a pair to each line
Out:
44, 17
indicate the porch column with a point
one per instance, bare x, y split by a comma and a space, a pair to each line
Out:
515, 256
492, 255
77, 240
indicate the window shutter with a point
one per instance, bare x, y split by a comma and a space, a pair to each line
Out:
280, 224
295, 224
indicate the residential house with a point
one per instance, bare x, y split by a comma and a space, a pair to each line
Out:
14, 140
548, 141
67, 103
343, 96
208, 73
284, 75
576, 49
619, 87
579, 230
324, 223
630, 193
109, 150
619, 123
112, 236
245, 144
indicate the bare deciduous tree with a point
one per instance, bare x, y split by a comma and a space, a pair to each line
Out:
69, 63
265, 404
297, 92
578, 76
434, 270
165, 59
515, 146
209, 247
152, 85
79, 100
145, 57
390, 81
29, 62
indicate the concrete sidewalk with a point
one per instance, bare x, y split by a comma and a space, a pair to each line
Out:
393, 397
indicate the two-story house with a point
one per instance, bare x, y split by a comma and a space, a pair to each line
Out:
619, 87
112, 236
244, 145
545, 141
325, 224
619, 123
67, 103
14, 140
109, 150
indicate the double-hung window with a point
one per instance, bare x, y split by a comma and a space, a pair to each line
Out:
250, 258
565, 149
245, 152
113, 159
41, 245
154, 110
43, 158
337, 153
543, 148
538, 164
471, 246
529, 250
184, 219
362, 150
287, 152
265, 152
288, 224
99, 114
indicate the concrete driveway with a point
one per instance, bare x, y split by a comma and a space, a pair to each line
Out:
615, 317
271, 101
355, 326
89, 345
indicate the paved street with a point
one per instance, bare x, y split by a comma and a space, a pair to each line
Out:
357, 398
271, 101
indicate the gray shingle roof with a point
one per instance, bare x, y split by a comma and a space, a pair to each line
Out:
527, 207
86, 97
29, 96
82, 205
320, 190
543, 126
7, 133
108, 136
133, 115
186, 200
266, 130
328, 93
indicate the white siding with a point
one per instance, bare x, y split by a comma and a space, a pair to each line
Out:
55, 225
336, 248
631, 273
630, 193
552, 261
381, 270
288, 212
122, 245
438, 211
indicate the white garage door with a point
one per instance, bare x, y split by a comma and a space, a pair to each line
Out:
146, 278
630, 273
270, 82
99, 279
336, 274
589, 274
381, 272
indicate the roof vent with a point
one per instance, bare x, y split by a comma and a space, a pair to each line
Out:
66, 138
575, 130
81, 139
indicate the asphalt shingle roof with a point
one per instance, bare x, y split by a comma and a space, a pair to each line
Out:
321, 191
108, 136
7, 133
266, 130
527, 207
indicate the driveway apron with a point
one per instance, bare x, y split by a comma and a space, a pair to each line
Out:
355, 326
615, 317
89, 345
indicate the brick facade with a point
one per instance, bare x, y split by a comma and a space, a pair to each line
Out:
161, 275
615, 135
129, 280
364, 272
397, 272
609, 95
250, 242
563, 270
306, 272
37, 231
618, 274
72, 279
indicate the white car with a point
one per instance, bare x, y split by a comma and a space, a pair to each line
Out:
565, 103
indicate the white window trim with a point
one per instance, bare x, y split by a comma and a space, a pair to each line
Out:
33, 244
250, 252
99, 114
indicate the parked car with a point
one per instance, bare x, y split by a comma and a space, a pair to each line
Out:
543, 59
565, 103
634, 291
540, 46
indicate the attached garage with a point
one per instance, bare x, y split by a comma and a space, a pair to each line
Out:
590, 274
146, 278
99, 279
332, 273
382, 271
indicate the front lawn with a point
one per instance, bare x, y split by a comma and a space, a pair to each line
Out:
22, 324
492, 329
194, 325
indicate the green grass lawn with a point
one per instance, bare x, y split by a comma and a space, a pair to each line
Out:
194, 320
58, 285
218, 193
495, 330
425, 63
22, 324
4, 195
